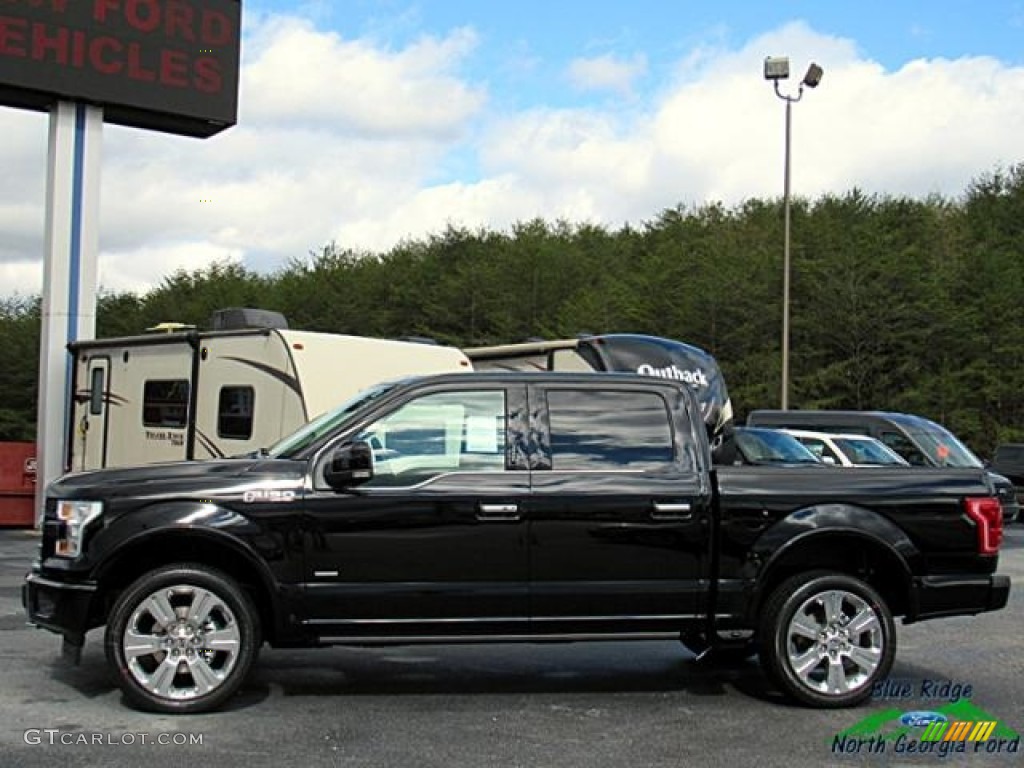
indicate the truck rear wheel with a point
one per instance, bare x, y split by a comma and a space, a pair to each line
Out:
827, 638
181, 639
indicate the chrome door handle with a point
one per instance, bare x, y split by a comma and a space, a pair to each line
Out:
671, 511
498, 512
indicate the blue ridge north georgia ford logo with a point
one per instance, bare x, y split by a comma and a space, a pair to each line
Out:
957, 727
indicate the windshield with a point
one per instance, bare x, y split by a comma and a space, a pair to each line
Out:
309, 433
864, 451
766, 446
944, 448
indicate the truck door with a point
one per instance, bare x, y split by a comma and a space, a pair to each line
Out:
92, 407
619, 510
435, 543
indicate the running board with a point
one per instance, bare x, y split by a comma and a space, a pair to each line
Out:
576, 637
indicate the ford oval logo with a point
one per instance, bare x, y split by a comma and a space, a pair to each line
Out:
921, 719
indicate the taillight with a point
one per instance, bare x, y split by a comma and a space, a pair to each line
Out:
988, 516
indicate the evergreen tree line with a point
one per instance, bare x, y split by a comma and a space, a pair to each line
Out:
896, 303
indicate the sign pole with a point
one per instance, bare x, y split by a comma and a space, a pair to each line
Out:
69, 275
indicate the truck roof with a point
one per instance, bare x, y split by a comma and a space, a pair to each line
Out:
592, 378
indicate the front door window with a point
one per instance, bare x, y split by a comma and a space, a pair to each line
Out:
438, 434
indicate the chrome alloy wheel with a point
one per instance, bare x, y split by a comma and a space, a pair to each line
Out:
181, 642
834, 642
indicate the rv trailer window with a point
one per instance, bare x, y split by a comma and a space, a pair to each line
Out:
96, 392
165, 403
234, 412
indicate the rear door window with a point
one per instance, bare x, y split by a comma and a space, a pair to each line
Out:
610, 430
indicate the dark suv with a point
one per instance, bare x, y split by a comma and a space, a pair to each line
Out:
1008, 460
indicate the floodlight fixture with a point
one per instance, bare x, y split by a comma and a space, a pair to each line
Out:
776, 68
813, 76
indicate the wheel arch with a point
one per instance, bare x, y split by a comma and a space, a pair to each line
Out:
198, 546
840, 538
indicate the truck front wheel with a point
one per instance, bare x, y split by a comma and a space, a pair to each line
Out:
827, 638
181, 639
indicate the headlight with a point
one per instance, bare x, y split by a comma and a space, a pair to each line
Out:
75, 516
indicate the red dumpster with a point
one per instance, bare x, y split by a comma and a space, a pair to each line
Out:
18, 484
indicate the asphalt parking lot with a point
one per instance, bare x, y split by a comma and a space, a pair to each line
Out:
587, 705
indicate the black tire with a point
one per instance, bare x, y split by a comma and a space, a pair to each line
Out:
812, 647
194, 637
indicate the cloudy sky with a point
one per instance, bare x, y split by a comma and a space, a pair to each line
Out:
366, 122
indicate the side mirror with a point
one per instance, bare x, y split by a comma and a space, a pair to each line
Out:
349, 465
828, 460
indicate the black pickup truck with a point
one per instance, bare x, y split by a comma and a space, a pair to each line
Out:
508, 507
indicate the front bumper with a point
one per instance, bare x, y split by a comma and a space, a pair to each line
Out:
932, 597
61, 607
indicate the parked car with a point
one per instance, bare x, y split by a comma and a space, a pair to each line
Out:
920, 441
755, 445
1008, 460
848, 450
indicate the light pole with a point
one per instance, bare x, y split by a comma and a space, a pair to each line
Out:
776, 68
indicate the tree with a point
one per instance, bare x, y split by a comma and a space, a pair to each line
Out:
19, 339
897, 304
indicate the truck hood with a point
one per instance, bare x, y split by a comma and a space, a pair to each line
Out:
180, 478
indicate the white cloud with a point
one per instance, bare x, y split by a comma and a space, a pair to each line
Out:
607, 73
348, 140
138, 269
298, 75
716, 133
329, 130
20, 278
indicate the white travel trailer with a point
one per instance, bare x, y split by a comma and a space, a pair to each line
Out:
185, 394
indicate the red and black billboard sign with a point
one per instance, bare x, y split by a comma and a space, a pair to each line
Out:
167, 65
